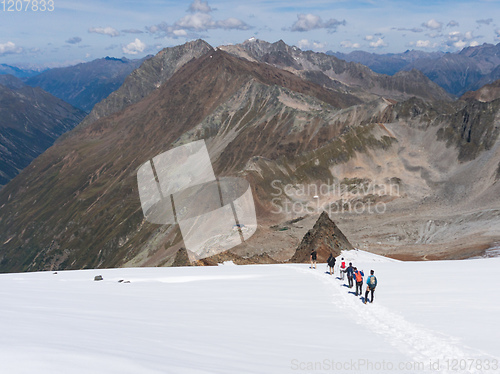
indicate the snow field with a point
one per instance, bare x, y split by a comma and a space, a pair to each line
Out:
251, 319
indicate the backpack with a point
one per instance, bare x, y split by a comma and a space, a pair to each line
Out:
359, 277
329, 261
373, 281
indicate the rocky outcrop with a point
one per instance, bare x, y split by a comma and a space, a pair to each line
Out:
182, 259
325, 238
487, 93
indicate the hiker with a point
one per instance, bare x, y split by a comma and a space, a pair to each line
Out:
342, 268
314, 256
350, 274
371, 283
331, 263
359, 280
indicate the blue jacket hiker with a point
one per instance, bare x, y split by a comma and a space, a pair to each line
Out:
371, 283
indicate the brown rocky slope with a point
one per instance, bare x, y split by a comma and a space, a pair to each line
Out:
82, 192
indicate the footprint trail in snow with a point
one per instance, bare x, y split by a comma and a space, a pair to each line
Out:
417, 342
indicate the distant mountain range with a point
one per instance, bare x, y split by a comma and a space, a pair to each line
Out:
83, 85
388, 63
277, 116
468, 69
17, 72
30, 121
338, 74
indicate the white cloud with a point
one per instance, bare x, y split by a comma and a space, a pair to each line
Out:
304, 43
133, 31
484, 21
198, 6
203, 22
197, 21
349, 44
307, 22
427, 44
232, 23
434, 34
74, 40
104, 30
433, 24
319, 45
379, 43
154, 29
134, 47
453, 23
454, 35
9, 48
423, 43
369, 37
179, 32
413, 29
458, 40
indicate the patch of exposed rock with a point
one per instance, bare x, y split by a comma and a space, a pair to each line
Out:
325, 237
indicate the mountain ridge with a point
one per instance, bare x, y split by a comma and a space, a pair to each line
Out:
105, 170
85, 84
30, 121
352, 75
77, 205
457, 72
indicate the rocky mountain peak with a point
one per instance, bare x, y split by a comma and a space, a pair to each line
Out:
325, 237
147, 78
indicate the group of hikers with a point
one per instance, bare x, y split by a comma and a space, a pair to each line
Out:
352, 273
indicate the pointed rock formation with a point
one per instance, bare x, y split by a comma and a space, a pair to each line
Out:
325, 237
181, 258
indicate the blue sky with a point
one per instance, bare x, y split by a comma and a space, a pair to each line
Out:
84, 30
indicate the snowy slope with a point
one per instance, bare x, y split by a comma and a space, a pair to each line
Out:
252, 319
